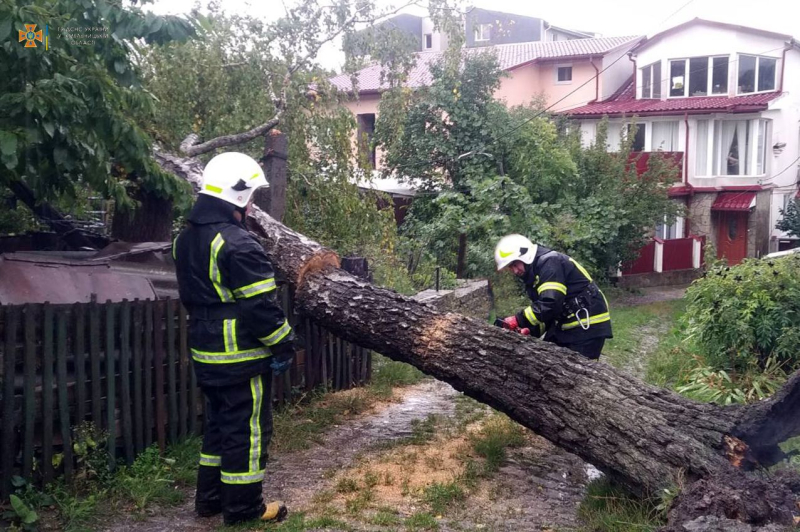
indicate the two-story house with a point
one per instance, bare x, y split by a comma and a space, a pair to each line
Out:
567, 73
726, 99
482, 27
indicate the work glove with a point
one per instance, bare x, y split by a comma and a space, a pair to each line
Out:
281, 359
512, 324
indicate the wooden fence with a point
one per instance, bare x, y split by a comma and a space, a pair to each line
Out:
125, 368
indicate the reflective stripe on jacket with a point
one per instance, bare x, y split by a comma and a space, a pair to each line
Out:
228, 287
553, 281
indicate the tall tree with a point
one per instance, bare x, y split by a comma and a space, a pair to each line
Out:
67, 106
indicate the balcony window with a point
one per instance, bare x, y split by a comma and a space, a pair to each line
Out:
665, 136
756, 74
731, 147
637, 132
698, 76
651, 81
483, 32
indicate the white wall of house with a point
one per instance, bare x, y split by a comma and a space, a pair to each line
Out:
703, 40
615, 71
439, 40
780, 167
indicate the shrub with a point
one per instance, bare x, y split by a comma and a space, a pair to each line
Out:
747, 314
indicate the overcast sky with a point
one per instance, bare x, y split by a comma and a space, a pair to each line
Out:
607, 17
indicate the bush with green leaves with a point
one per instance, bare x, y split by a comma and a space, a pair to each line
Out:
747, 314
790, 218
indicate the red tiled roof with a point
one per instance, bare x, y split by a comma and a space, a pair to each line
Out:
624, 102
733, 201
510, 56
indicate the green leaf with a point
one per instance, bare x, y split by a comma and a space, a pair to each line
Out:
119, 66
50, 128
5, 29
59, 155
25, 514
8, 143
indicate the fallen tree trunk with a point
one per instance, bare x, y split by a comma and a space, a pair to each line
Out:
644, 437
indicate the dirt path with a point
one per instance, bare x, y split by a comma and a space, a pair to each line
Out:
540, 486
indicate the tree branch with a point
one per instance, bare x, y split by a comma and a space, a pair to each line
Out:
190, 147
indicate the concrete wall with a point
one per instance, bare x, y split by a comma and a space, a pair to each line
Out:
525, 83
471, 298
619, 70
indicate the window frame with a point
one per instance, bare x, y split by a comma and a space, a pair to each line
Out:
571, 72
478, 30
679, 225
758, 59
653, 81
709, 76
714, 152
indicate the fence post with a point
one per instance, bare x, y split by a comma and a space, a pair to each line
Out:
47, 396
124, 377
111, 388
7, 451
658, 257
172, 380
138, 398
158, 329
29, 390
63, 402
79, 354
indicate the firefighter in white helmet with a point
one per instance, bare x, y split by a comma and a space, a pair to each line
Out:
566, 307
238, 335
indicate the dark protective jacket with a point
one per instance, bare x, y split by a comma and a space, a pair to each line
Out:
228, 287
566, 304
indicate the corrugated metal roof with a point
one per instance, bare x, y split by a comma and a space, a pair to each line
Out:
509, 55
33, 278
734, 201
625, 103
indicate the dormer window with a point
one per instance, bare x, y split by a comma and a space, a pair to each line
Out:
698, 76
756, 74
651, 81
483, 32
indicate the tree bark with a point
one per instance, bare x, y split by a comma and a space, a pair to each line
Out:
644, 437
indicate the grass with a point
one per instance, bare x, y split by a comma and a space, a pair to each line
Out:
490, 443
624, 350
151, 479
607, 508
421, 521
441, 496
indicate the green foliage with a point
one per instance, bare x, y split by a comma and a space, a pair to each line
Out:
67, 113
790, 218
608, 508
747, 314
441, 496
421, 521
704, 383
26, 517
486, 171
497, 434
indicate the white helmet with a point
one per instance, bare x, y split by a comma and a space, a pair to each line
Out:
514, 247
232, 177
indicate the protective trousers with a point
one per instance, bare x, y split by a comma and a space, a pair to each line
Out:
234, 454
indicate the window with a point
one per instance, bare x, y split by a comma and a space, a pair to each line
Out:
651, 81
719, 75
665, 136
738, 147
483, 32
756, 74
677, 78
366, 148
564, 74
428, 41
698, 76
671, 231
638, 132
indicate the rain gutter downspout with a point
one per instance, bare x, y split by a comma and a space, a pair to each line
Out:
596, 81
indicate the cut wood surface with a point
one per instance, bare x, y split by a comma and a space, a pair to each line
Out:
645, 437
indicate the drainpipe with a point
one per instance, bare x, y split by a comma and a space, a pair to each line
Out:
685, 180
632, 60
783, 64
596, 81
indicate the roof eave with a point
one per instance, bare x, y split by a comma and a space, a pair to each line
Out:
671, 112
